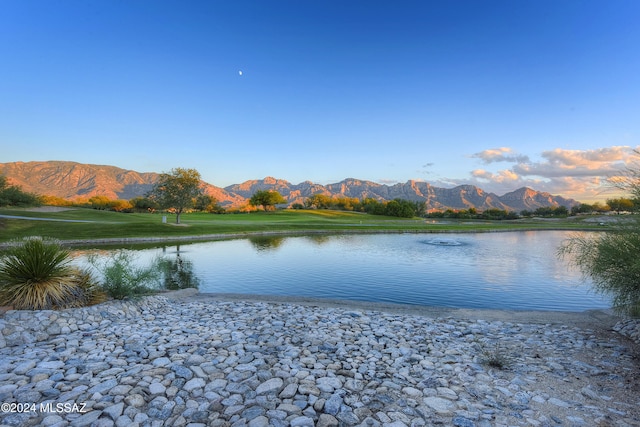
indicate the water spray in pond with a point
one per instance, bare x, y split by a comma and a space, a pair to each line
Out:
443, 242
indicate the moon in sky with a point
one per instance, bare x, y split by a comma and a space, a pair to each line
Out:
240, 72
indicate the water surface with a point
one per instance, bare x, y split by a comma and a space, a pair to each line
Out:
515, 270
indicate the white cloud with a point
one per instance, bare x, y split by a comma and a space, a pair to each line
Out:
588, 157
501, 154
387, 181
601, 162
581, 174
499, 177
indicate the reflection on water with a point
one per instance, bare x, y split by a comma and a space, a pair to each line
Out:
177, 273
265, 243
319, 238
177, 270
517, 270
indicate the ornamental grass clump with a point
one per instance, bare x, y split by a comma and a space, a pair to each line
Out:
612, 261
36, 275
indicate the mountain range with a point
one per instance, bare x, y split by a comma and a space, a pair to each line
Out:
71, 180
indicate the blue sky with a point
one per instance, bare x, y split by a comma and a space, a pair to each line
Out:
499, 94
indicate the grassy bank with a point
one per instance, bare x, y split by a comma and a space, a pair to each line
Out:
89, 224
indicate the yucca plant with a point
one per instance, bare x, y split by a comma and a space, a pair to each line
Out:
36, 275
92, 292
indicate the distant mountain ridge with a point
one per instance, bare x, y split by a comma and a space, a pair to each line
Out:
71, 180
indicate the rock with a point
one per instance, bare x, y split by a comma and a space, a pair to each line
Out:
51, 420
86, 419
193, 384
52, 364
558, 402
161, 362
326, 420
23, 367
438, 404
153, 363
104, 386
462, 422
271, 386
134, 400
333, 404
182, 371
157, 388
260, 421
302, 422
114, 411
289, 391
328, 384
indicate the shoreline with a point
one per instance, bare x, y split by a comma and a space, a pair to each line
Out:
603, 322
99, 242
602, 319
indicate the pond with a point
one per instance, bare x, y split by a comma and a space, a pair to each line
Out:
514, 270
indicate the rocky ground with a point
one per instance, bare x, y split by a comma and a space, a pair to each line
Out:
200, 362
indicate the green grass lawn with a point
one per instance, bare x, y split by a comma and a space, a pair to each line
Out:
112, 225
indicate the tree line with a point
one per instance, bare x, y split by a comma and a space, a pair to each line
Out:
181, 190
396, 207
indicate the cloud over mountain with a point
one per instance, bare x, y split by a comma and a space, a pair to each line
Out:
583, 173
502, 154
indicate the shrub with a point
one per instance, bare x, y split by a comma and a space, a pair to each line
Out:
611, 260
496, 356
122, 278
36, 275
11, 195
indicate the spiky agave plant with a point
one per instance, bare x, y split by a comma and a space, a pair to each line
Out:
36, 275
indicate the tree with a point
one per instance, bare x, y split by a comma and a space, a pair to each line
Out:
548, 211
611, 259
584, 208
100, 202
267, 199
598, 207
620, 204
420, 209
206, 203
373, 206
318, 201
347, 203
143, 204
11, 195
400, 208
177, 190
